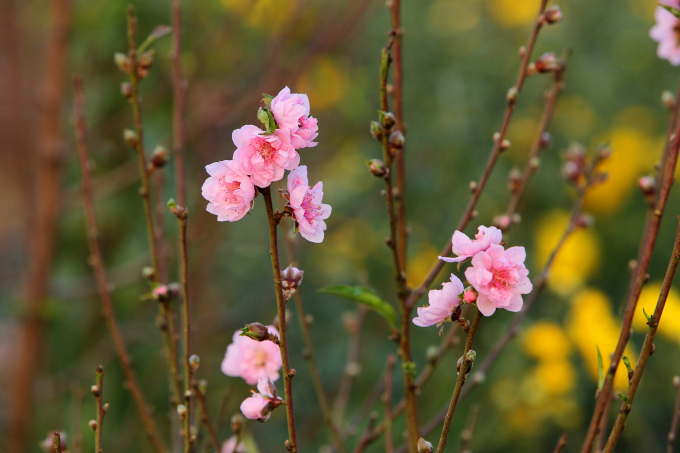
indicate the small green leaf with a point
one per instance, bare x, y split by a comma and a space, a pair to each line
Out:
649, 318
267, 99
627, 363
670, 9
157, 32
365, 297
600, 370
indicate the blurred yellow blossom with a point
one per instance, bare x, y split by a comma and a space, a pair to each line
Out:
590, 325
513, 13
266, 15
556, 376
670, 321
577, 259
629, 160
546, 341
324, 82
421, 262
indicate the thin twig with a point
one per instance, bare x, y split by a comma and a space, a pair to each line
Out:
98, 265
366, 438
168, 326
308, 353
57, 442
387, 400
205, 415
561, 444
98, 392
351, 365
178, 87
676, 417
466, 435
599, 442
647, 348
465, 364
495, 153
281, 309
653, 223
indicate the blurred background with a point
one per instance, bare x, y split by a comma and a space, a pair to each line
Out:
460, 59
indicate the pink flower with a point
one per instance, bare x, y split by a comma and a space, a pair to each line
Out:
264, 157
442, 303
229, 191
500, 278
252, 360
260, 405
665, 32
230, 446
465, 247
309, 212
291, 112
469, 296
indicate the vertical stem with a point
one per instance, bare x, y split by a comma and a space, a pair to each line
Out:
99, 372
57, 442
465, 366
647, 348
178, 109
168, 327
186, 321
281, 308
387, 400
100, 274
205, 416
561, 444
676, 418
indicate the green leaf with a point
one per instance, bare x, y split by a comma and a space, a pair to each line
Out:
600, 370
649, 318
157, 32
267, 119
365, 297
670, 9
627, 363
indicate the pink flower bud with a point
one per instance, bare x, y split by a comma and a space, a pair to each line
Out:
547, 63
161, 293
552, 15
469, 296
377, 168
291, 278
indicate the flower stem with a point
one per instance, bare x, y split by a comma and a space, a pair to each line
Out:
466, 365
281, 308
647, 348
99, 372
186, 321
205, 415
676, 418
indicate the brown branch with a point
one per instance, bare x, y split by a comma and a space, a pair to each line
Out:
366, 438
676, 418
98, 265
168, 325
465, 364
98, 426
647, 348
281, 309
46, 200
308, 353
495, 153
599, 443
561, 444
466, 435
387, 400
205, 415
178, 88
638, 280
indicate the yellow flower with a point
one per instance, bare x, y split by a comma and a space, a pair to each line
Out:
577, 259
546, 341
670, 321
630, 159
513, 13
591, 326
324, 82
556, 377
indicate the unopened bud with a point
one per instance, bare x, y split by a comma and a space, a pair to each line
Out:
676, 381
255, 331
93, 425
505, 144
148, 273
377, 130
432, 353
473, 186
397, 140
126, 90
648, 187
546, 63
181, 410
545, 140
194, 363
144, 63
512, 95
377, 168
496, 136
95, 390
552, 15
534, 163
668, 100
122, 61
236, 423
175, 289
522, 51
605, 152
105, 407
424, 446
130, 137
514, 179
178, 211
469, 296
288, 445
584, 220
161, 293
291, 278
387, 120
159, 157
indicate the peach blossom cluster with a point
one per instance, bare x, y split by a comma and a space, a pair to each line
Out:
497, 278
262, 157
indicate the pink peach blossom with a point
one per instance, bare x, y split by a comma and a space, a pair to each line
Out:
251, 359
500, 278
264, 157
291, 112
442, 303
260, 405
665, 32
465, 247
306, 204
232, 445
229, 190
